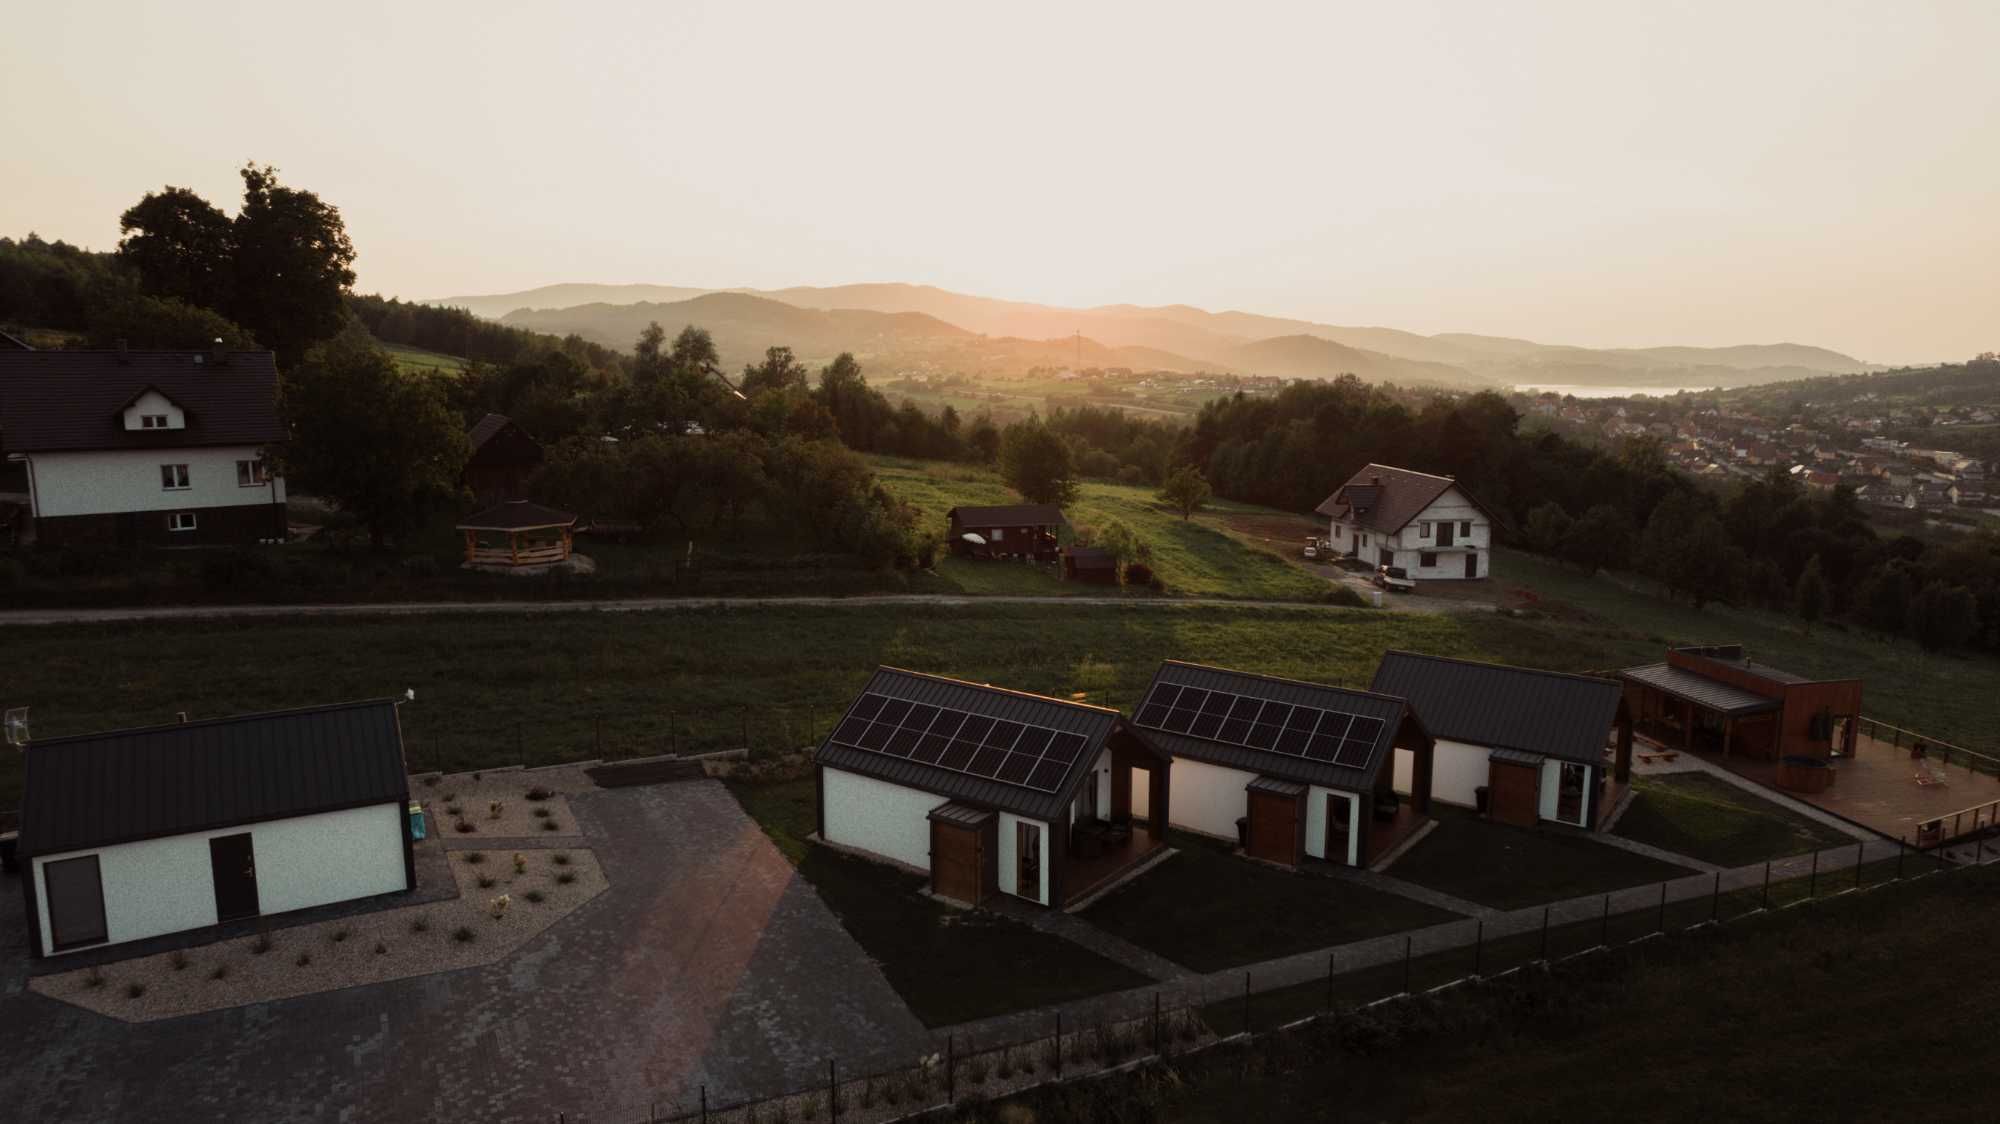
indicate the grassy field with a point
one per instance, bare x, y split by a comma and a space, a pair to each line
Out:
412, 360
1860, 1008
1510, 867
949, 965
1709, 819
1195, 556
1206, 909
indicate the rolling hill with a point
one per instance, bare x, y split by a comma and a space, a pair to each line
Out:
942, 329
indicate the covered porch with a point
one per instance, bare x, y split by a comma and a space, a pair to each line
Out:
517, 533
1678, 709
1118, 822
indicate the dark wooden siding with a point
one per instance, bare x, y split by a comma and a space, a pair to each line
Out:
959, 860
1277, 827
1514, 793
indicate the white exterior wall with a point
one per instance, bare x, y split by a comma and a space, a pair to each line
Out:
157, 404
881, 818
108, 481
1408, 544
1456, 769
1208, 798
1009, 873
160, 886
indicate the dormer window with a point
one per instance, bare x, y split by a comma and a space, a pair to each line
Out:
152, 421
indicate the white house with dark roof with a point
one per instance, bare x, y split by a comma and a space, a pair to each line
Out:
1428, 525
1292, 770
139, 833
158, 448
1547, 746
990, 791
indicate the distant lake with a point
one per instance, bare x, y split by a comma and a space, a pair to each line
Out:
1612, 391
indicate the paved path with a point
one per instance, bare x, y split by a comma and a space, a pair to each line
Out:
1078, 931
1652, 852
619, 605
1401, 888
708, 961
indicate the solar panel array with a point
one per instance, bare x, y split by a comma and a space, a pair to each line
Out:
993, 748
1330, 736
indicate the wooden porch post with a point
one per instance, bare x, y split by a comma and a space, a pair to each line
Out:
1687, 725
471, 540
514, 548
1622, 762
1728, 734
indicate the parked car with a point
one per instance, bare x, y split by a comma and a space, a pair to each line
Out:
1312, 547
1395, 579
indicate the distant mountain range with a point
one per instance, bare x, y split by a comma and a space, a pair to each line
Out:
900, 326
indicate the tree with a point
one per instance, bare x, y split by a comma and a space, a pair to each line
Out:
1943, 616
1185, 490
983, 439
374, 441
1118, 540
290, 267
779, 371
163, 322
1809, 598
1883, 599
1599, 539
1548, 525
1034, 461
181, 246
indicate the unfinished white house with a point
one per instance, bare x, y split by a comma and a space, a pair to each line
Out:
1428, 525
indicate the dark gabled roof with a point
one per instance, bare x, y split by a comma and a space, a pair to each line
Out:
95, 790
1008, 515
1385, 498
1707, 693
1503, 707
73, 400
483, 430
1391, 711
14, 343
1095, 724
516, 515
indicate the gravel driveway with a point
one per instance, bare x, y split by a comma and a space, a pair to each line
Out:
707, 962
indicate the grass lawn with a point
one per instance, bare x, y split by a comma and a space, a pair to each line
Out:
1707, 818
1206, 909
949, 965
416, 359
1195, 557
1510, 867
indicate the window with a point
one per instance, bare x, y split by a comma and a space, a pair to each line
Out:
181, 521
999, 533
1361, 540
152, 421
75, 892
1424, 529
1427, 559
174, 477
1465, 528
250, 474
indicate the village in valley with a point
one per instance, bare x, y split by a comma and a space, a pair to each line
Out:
1355, 630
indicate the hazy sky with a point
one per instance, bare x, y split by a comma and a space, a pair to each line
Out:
1596, 173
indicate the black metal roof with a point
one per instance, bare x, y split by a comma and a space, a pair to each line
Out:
1095, 724
1734, 656
1502, 707
1008, 515
1362, 778
516, 515
74, 400
120, 786
1706, 693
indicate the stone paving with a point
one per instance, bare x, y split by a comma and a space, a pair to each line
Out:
708, 962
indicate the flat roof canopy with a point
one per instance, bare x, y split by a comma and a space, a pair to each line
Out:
1703, 692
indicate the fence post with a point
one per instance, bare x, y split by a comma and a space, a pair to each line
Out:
597, 736
1406, 965
1545, 935
1812, 881
1662, 926
1479, 949
832, 1092
951, 1069
1899, 858
1715, 901
1604, 924
1156, 1024
1860, 853
1246, 1003
1329, 981
704, 1104
673, 736
1058, 1045
1767, 885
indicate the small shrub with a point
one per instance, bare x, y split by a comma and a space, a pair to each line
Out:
304, 959
464, 934
430, 782
420, 924
261, 945
520, 863
381, 948
551, 825
465, 827
560, 858
179, 960
498, 906
538, 793
134, 989
339, 935
477, 774
534, 896
494, 809
93, 978
975, 1069
543, 813
485, 882
566, 877
475, 857
452, 809
220, 972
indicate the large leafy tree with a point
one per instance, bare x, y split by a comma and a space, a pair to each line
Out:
1035, 462
1185, 490
181, 246
292, 265
381, 444
1809, 596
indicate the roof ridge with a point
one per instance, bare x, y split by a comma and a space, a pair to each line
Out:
1576, 675
1409, 471
220, 720
1366, 691
998, 690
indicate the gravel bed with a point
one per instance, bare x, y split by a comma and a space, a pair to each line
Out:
496, 803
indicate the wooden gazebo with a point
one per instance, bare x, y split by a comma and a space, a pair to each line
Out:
517, 533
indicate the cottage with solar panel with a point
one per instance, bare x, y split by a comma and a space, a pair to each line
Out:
990, 791
139, 833
1547, 747
1290, 770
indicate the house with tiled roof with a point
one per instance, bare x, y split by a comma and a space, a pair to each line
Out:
144, 448
1428, 525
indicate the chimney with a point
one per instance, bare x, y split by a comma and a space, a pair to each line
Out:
1376, 479
124, 352
182, 716
215, 354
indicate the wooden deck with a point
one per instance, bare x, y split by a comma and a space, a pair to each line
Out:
1385, 835
1882, 789
1086, 875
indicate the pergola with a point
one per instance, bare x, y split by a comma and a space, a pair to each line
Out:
533, 535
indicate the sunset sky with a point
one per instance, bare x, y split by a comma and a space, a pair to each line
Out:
1590, 173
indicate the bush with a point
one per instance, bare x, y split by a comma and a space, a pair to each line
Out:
1338, 593
534, 895
420, 924
261, 945
134, 989
543, 813
1138, 573
465, 827
464, 934
220, 972
566, 877
179, 960
304, 959
381, 948
474, 858
538, 793
560, 858
93, 978
551, 825
486, 882
339, 935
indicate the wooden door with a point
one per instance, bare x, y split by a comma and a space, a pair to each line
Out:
75, 892
957, 866
1275, 827
1445, 533
233, 864
1471, 564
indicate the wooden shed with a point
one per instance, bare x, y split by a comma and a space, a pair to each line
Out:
1023, 531
503, 457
